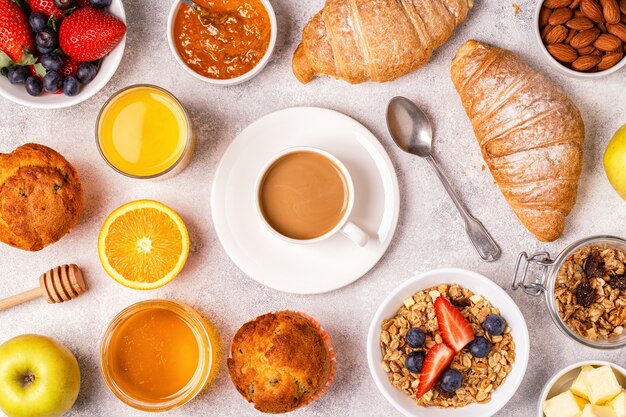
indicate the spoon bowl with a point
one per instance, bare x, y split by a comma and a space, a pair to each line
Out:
410, 128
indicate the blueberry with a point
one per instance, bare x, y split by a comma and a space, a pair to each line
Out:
52, 81
71, 87
52, 62
100, 3
38, 22
415, 338
451, 380
18, 75
414, 362
63, 4
33, 86
480, 347
86, 72
46, 40
494, 325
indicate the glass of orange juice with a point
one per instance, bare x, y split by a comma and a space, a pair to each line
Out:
157, 355
143, 131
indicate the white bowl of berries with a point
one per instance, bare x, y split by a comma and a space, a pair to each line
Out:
58, 53
448, 343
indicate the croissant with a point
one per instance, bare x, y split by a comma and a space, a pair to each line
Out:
375, 40
530, 133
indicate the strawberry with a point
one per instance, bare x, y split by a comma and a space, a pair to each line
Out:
15, 34
437, 360
69, 67
455, 330
89, 34
47, 8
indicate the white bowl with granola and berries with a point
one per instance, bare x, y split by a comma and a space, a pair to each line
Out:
448, 342
58, 53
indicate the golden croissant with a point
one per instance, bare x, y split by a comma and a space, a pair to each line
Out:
375, 40
530, 133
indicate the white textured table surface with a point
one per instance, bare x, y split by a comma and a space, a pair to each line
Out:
429, 234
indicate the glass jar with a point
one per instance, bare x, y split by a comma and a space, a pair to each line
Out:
536, 275
151, 347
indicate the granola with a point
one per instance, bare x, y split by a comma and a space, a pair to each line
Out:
481, 376
590, 292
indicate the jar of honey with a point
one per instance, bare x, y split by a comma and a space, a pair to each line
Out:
157, 355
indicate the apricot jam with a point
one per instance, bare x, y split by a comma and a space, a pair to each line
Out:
231, 45
157, 355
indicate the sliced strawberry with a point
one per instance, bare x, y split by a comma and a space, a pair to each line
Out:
47, 8
455, 330
89, 34
69, 67
437, 360
15, 33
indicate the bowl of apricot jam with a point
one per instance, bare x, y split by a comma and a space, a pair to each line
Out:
231, 43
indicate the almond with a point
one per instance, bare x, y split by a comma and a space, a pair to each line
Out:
578, 13
592, 10
575, 4
555, 4
585, 63
545, 31
585, 38
607, 42
610, 10
562, 52
609, 60
544, 15
560, 16
602, 27
624, 18
580, 23
618, 30
557, 35
570, 36
587, 50
622, 6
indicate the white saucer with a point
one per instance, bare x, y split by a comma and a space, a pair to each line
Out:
304, 269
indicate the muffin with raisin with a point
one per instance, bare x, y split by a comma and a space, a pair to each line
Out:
281, 361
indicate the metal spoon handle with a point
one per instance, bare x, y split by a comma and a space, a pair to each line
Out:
484, 244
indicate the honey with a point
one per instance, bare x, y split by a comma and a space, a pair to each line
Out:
157, 355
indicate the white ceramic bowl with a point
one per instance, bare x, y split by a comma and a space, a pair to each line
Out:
479, 285
232, 81
17, 93
561, 68
562, 380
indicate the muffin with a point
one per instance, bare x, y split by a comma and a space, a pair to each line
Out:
41, 198
281, 361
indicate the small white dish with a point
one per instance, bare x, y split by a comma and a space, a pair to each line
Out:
478, 284
562, 68
345, 226
562, 380
232, 81
327, 265
17, 93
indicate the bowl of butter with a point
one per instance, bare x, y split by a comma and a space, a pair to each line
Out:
585, 389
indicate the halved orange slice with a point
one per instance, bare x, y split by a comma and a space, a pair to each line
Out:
143, 244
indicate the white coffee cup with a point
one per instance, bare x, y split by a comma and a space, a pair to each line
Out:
344, 226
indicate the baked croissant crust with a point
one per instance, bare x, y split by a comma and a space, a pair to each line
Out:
530, 133
375, 40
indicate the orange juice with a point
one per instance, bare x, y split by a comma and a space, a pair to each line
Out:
143, 131
157, 355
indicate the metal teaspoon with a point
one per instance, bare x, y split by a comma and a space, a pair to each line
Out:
412, 132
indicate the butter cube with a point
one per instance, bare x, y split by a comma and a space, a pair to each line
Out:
563, 405
619, 405
597, 411
602, 385
578, 387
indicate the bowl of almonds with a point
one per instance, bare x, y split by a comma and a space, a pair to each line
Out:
582, 38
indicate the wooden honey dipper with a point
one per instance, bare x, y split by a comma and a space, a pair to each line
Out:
63, 283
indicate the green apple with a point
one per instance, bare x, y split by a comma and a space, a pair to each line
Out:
39, 377
615, 161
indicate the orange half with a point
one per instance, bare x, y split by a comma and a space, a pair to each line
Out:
143, 244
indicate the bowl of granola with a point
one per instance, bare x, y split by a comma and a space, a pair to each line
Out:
448, 342
584, 288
